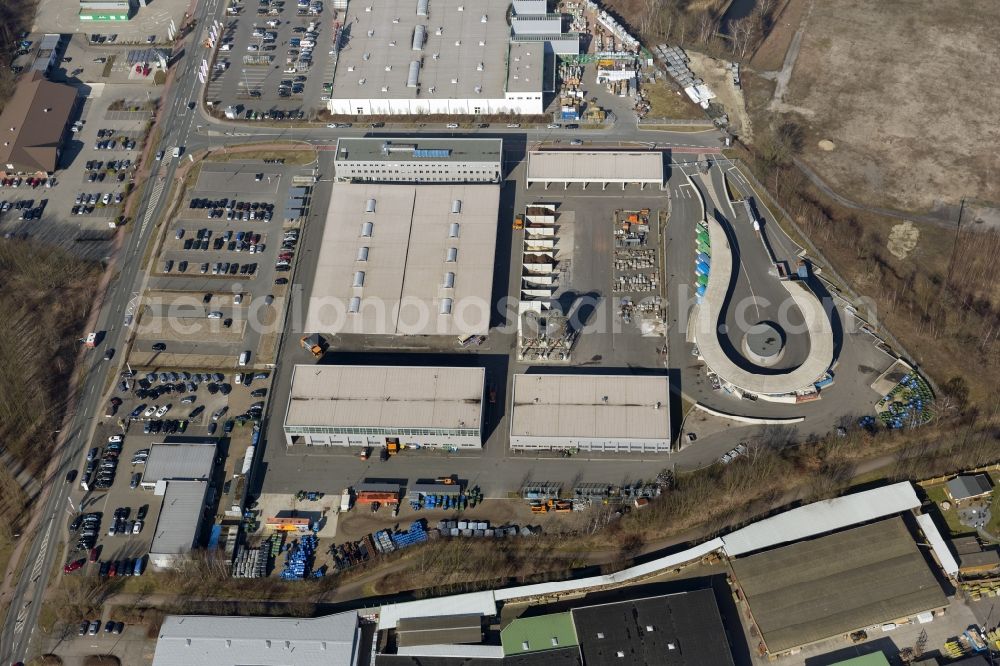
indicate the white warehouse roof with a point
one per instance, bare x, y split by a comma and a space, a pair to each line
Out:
428, 266
179, 520
461, 48
385, 396
178, 460
595, 166
822, 517
202, 640
593, 406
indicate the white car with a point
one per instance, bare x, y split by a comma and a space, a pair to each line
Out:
162, 410
513, 125
452, 126
137, 527
554, 125
116, 439
244, 358
237, 299
215, 314
106, 199
149, 410
226, 47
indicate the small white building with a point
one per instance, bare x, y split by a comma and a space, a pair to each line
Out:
366, 405
610, 413
418, 160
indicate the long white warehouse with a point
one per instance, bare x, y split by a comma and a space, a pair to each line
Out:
611, 413
368, 405
444, 57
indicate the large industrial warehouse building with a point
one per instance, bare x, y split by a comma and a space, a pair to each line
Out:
364, 405
866, 576
406, 260
419, 160
445, 56
611, 413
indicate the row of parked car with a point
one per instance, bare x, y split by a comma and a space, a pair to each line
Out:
17, 181
93, 627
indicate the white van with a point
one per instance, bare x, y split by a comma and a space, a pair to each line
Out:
244, 358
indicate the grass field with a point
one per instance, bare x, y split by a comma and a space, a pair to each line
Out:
907, 95
294, 155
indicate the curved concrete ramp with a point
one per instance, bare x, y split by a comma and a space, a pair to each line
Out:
817, 324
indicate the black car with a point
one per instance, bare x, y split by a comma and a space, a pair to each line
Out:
383, 454
75, 525
159, 346
71, 476
258, 393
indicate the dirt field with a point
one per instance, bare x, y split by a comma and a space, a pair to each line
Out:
720, 80
906, 93
770, 55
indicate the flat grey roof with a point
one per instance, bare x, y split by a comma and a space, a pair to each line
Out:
813, 590
401, 150
405, 271
208, 640
179, 460
180, 517
613, 406
595, 166
385, 396
459, 53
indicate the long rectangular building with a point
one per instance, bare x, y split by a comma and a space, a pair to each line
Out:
832, 585
365, 405
406, 260
444, 57
419, 160
613, 413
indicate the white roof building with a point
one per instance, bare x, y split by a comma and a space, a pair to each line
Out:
403, 57
203, 640
365, 405
178, 460
614, 413
406, 260
604, 167
179, 522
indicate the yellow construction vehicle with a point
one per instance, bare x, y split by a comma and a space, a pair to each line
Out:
314, 344
518, 222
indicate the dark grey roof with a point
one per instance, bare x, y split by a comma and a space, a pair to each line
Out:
683, 629
864, 576
966, 486
564, 657
442, 630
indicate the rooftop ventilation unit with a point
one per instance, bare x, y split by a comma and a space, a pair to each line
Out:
454, 81
445, 306
388, 68
359, 279
368, 8
363, 253
436, 56
350, 68
483, 20
395, 20
461, 8
458, 42
480, 67
422, 7
370, 206
419, 33
361, 81
453, 230
413, 78
449, 280
366, 230
366, 56
479, 89
392, 43
482, 42
456, 206
438, 31
452, 256
371, 33
355, 305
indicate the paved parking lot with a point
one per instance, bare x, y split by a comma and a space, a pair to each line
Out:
62, 17
212, 287
97, 167
278, 69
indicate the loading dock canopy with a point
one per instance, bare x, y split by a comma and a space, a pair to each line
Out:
595, 166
